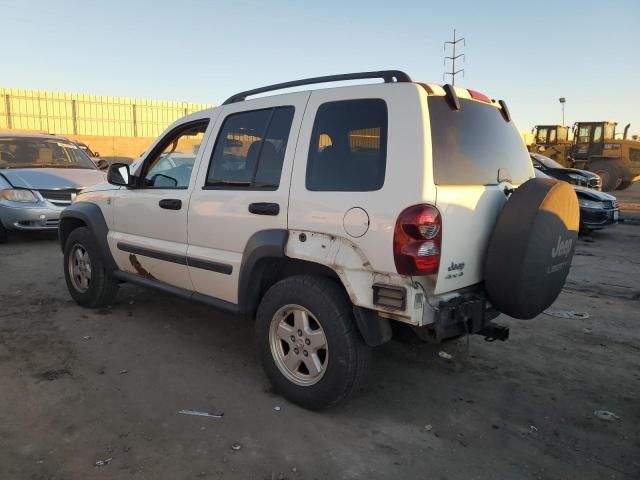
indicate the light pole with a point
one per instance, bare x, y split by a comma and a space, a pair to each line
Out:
562, 101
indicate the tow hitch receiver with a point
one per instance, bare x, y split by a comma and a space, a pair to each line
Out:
468, 314
493, 332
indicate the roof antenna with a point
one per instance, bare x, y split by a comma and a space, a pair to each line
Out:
454, 57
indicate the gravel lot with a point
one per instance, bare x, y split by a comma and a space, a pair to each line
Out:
79, 386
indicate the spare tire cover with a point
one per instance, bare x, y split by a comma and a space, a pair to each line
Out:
531, 247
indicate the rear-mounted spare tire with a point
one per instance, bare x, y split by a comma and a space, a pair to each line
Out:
531, 247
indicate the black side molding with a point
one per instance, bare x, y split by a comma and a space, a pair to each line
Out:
147, 252
179, 259
209, 265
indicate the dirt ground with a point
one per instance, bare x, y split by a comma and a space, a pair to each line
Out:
79, 386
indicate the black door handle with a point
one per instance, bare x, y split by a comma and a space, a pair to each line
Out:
263, 208
171, 203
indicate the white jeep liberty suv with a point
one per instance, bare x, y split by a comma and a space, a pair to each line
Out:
330, 215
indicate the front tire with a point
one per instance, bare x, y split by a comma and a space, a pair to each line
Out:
89, 284
610, 172
309, 343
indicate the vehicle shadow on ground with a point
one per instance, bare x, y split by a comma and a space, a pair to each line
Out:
400, 370
18, 237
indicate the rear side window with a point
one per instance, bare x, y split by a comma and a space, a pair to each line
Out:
472, 144
250, 149
348, 150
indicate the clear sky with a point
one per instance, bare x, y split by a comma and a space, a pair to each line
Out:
528, 53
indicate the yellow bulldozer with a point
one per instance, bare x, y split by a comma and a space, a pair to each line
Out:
595, 147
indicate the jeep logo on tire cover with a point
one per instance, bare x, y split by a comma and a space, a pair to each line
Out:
562, 249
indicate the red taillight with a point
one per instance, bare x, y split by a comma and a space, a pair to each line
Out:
417, 239
479, 96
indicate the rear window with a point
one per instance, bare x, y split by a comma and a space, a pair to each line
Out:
472, 144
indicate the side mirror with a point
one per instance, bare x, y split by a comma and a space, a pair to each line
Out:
118, 174
102, 164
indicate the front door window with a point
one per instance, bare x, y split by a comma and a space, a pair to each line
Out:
172, 165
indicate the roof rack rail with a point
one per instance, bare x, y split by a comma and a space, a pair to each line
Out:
389, 76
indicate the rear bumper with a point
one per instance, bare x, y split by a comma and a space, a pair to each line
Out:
467, 313
594, 219
29, 217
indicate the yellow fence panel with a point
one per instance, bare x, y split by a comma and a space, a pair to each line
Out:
80, 114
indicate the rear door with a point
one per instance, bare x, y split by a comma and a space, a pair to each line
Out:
477, 157
355, 169
242, 188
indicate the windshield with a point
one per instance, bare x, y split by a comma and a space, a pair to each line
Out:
475, 145
546, 161
35, 152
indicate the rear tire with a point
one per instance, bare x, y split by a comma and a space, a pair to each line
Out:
89, 284
296, 317
610, 172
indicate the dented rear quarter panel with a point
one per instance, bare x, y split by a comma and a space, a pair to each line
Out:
355, 271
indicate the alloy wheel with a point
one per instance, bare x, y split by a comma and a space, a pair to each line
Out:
298, 345
80, 268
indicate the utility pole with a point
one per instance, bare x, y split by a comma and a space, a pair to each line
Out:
454, 57
562, 101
